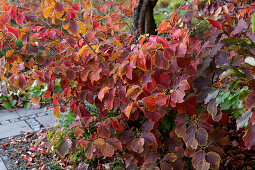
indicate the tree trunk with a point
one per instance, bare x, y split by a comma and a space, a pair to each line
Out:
144, 22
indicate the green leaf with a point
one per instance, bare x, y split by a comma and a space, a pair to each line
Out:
253, 23
6, 105
13, 102
222, 97
3, 98
70, 116
57, 88
26, 105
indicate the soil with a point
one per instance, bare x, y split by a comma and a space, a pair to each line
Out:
18, 153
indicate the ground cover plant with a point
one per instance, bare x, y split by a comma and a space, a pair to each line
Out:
137, 101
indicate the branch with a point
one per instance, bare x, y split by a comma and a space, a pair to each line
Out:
84, 39
16, 52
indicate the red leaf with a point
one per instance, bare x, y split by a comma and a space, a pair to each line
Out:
70, 74
177, 96
150, 103
59, 8
250, 101
149, 138
152, 116
95, 75
180, 123
160, 61
181, 50
14, 31
103, 131
216, 24
73, 27
122, 95
109, 98
190, 139
82, 111
156, 39
162, 99
21, 82
249, 137
198, 160
51, 85
115, 123
115, 143
20, 19
102, 93
104, 8
151, 157
241, 27
214, 159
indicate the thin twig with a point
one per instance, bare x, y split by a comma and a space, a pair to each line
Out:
43, 20
95, 52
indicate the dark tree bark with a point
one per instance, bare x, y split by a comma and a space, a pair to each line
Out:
144, 22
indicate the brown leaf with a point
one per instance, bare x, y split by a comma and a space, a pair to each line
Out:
103, 131
107, 150
64, 147
137, 145
89, 150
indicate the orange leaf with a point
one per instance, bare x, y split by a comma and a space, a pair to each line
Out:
131, 89
150, 103
56, 111
128, 109
102, 93
35, 100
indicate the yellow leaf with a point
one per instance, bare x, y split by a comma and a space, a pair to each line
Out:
42, 3
47, 11
88, 4
82, 49
66, 26
50, 2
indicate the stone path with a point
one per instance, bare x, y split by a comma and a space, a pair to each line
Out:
24, 120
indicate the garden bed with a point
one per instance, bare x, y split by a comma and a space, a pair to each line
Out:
18, 153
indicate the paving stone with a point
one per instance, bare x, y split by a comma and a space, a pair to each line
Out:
27, 112
41, 114
24, 118
32, 122
47, 121
14, 120
14, 129
36, 128
5, 122
6, 115
2, 166
32, 116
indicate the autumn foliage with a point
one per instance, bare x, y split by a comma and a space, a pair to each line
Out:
163, 100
